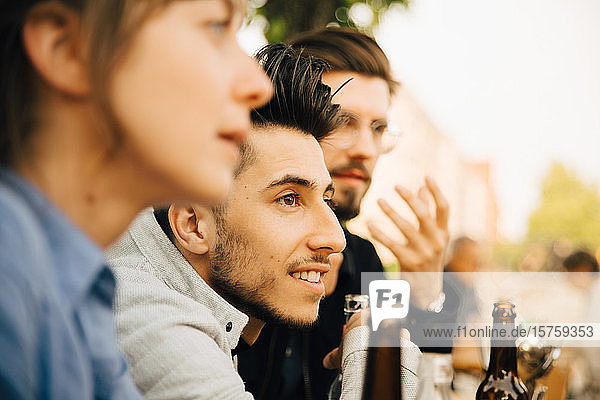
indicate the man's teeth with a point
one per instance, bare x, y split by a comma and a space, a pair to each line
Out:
311, 276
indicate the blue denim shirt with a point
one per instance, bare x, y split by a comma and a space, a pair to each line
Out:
57, 334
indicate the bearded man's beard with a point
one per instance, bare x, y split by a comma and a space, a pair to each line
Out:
349, 208
231, 256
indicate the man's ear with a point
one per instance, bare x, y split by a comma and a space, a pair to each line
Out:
53, 40
191, 227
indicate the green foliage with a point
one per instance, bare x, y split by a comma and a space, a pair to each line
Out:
508, 255
568, 209
287, 18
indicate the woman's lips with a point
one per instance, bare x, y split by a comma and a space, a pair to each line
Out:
233, 140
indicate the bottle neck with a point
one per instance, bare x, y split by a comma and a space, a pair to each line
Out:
503, 355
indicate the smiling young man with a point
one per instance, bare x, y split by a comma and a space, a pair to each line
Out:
96, 100
362, 73
193, 280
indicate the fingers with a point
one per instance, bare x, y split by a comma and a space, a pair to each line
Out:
419, 208
403, 253
442, 206
425, 244
424, 195
357, 319
407, 229
333, 359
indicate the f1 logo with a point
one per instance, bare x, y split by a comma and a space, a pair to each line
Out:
389, 300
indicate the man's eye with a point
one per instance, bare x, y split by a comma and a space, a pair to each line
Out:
379, 129
352, 124
289, 200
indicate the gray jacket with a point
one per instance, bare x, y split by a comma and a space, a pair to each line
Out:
178, 333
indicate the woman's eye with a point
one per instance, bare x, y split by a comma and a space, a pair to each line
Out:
289, 200
219, 27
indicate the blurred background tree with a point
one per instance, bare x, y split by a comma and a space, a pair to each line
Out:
567, 218
568, 208
286, 18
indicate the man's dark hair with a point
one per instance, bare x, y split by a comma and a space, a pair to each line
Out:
300, 102
347, 49
580, 259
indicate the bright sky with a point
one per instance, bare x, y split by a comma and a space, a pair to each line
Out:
515, 82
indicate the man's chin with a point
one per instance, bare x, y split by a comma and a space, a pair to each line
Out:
295, 323
346, 214
274, 316
296, 320
347, 203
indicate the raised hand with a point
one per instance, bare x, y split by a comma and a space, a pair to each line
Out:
421, 257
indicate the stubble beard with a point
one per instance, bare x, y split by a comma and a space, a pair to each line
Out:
231, 256
349, 207
348, 199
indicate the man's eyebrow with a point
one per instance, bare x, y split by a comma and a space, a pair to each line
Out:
381, 121
291, 179
296, 180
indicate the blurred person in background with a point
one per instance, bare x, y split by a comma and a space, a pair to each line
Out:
197, 284
584, 363
582, 261
464, 260
96, 100
288, 363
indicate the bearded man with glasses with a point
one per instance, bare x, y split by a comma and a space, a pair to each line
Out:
290, 364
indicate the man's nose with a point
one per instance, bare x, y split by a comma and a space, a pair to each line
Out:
365, 147
327, 234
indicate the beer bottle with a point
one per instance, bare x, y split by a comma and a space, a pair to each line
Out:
501, 381
382, 375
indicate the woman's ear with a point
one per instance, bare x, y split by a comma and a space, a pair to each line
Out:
191, 227
54, 41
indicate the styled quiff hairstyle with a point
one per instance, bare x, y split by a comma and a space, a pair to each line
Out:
300, 102
108, 25
347, 49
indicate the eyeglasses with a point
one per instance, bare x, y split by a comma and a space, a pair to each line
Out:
348, 134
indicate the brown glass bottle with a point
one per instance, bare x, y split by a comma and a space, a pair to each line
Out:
501, 381
382, 375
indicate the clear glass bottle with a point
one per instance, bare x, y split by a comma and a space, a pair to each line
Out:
435, 377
